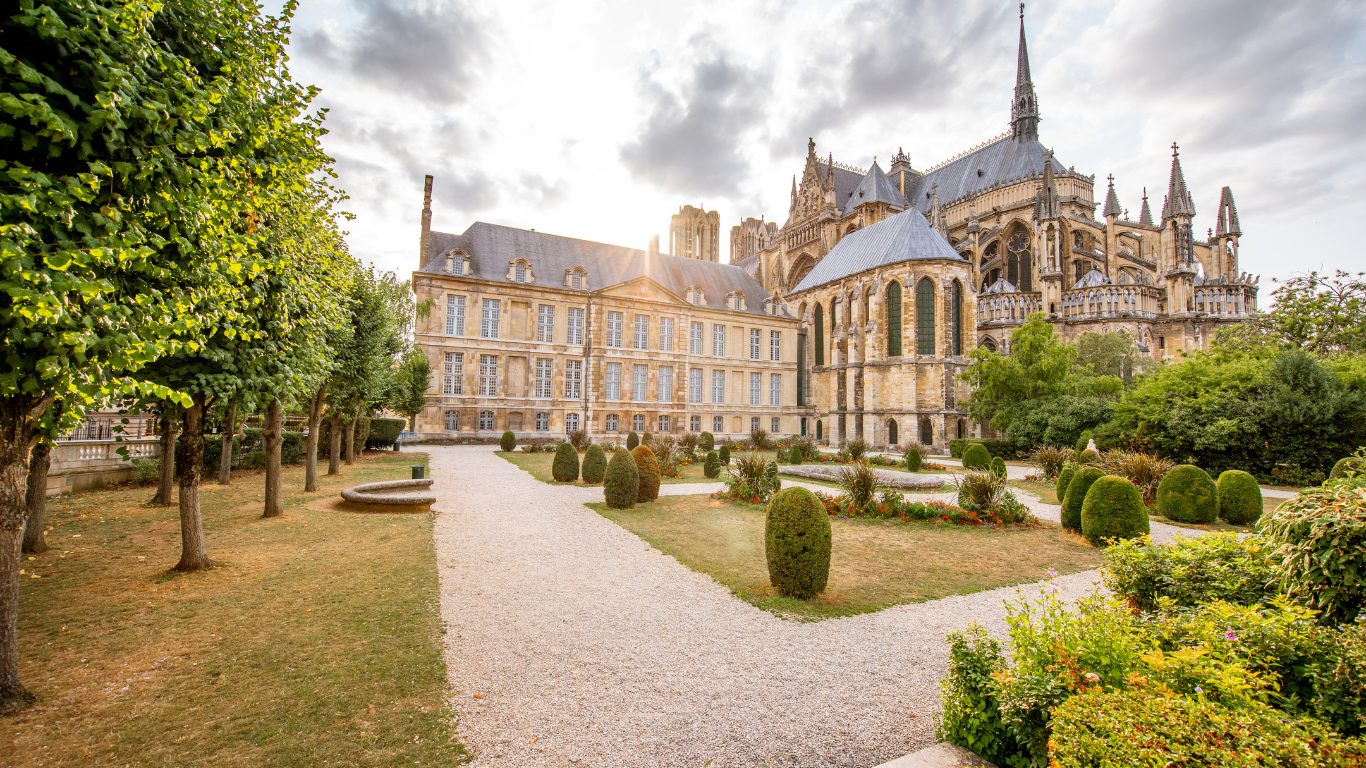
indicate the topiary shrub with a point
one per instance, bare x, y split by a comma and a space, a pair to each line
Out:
1240, 497
1084, 440
1318, 546
621, 482
1076, 496
797, 543
565, 468
998, 466
648, 468
594, 464
1188, 495
383, 432
508, 441
1113, 509
1088, 457
712, 466
632, 440
1069, 471
1348, 464
795, 455
725, 454
913, 458
706, 442
976, 456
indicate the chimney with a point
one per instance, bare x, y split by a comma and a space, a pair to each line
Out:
425, 244
654, 244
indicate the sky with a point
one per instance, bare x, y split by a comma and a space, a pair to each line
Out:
598, 120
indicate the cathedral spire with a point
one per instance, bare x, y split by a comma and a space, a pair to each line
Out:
1024, 111
1179, 201
1111, 201
1145, 216
1228, 215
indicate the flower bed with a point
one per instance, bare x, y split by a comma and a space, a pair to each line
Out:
890, 508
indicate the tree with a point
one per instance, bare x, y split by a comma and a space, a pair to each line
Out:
1111, 354
379, 307
1321, 314
1037, 366
57, 420
409, 395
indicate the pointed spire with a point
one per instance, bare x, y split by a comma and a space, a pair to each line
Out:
1228, 214
1111, 201
937, 218
1024, 110
1046, 203
974, 226
1179, 201
1145, 215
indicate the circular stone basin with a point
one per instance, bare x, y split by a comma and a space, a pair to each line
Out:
390, 496
903, 480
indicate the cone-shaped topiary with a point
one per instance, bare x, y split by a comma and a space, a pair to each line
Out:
976, 456
621, 482
1240, 497
998, 466
712, 466
913, 458
1188, 495
797, 543
565, 468
508, 441
1341, 468
1084, 440
594, 464
1069, 471
648, 468
795, 455
646, 440
725, 454
706, 442
632, 440
1076, 494
1088, 457
1113, 509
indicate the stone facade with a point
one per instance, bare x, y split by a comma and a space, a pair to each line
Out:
695, 233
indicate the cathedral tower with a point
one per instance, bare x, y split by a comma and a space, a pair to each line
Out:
1024, 112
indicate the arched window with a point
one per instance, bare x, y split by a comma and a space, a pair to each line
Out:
891, 432
818, 429
924, 317
926, 432
956, 317
894, 320
820, 335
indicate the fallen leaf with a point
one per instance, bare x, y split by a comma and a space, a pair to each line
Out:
477, 696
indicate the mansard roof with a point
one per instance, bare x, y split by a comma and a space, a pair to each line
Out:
492, 246
1002, 161
876, 188
905, 236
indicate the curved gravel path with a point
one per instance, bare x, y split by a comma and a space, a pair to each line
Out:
571, 642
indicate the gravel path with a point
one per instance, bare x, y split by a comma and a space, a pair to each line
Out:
586, 646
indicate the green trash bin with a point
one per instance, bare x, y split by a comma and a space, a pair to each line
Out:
419, 471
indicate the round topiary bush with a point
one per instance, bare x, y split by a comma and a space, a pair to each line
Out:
565, 468
1084, 440
706, 442
648, 468
621, 482
646, 439
632, 440
1076, 495
913, 458
1113, 509
1240, 497
1350, 463
1188, 495
998, 466
712, 466
594, 464
795, 455
725, 454
797, 543
508, 441
1088, 457
1069, 471
976, 456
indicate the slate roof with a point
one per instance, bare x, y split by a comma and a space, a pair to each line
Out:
1003, 161
876, 188
1001, 285
905, 236
846, 182
1093, 279
491, 247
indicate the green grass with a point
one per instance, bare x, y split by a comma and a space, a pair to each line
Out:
874, 564
315, 641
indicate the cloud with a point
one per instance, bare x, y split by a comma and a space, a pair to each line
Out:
431, 50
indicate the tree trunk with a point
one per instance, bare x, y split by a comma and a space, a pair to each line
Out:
334, 447
351, 438
193, 554
38, 464
18, 431
274, 436
225, 461
315, 415
166, 480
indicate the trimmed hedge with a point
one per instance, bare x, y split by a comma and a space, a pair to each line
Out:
976, 457
594, 464
1076, 496
508, 441
647, 467
1084, 440
1002, 448
1069, 471
1113, 509
647, 439
724, 455
795, 455
632, 440
797, 543
1188, 495
621, 482
1088, 457
998, 466
1240, 497
706, 442
565, 468
291, 447
913, 458
1341, 468
712, 466
384, 432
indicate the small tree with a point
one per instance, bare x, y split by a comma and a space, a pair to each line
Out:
409, 393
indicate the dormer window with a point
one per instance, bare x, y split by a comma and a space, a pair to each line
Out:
519, 271
576, 279
458, 263
735, 301
694, 296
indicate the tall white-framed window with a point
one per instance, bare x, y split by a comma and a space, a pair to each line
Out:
571, 422
718, 386
694, 385
612, 424
488, 321
718, 340
755, 381
455, 315
545, 323
614, 322
573, 379
775, 346
638, 422
544, 372
695, 339
753, 423
486, 420
542, 422
773, 424
666, 334
718, 425
642, 335
664, 424
575, 333
519, 272
640, 375
665, 379
452, 373
754, 343
695, 424
576, 280
613, 381
775, 389
452, 421
488, 375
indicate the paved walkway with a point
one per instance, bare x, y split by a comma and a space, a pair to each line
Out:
571, 642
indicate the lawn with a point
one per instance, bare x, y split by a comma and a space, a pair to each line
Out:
316, 640
874, 563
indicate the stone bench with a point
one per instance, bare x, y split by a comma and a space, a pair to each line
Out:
389, 496
831, 473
